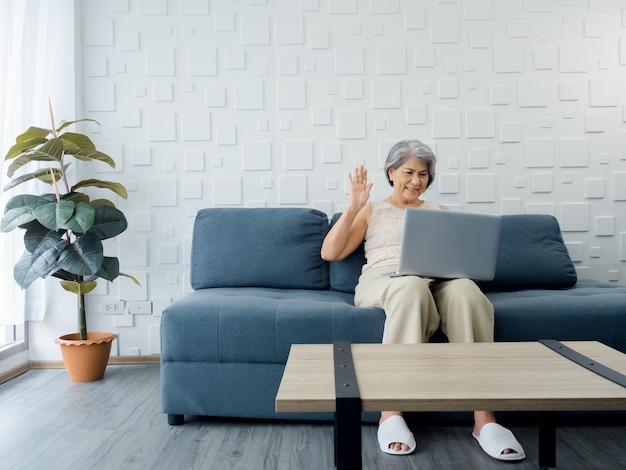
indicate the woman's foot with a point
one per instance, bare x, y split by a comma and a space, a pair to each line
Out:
496, 433
394, 437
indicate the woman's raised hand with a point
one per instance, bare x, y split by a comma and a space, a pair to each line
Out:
359, 187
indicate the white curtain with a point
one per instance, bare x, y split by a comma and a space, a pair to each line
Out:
36, 64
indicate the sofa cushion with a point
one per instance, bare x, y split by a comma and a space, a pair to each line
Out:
261, 247
259, 325
531, 254
589, 311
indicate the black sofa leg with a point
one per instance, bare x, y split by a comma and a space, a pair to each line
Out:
175, 420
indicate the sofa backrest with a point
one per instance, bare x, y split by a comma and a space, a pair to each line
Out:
531, 254
259, 247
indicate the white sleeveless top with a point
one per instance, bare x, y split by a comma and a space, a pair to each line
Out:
384, 234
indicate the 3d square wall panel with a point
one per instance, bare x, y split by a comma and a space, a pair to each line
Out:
444, 29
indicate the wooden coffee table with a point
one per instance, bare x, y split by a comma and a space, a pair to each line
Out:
520, 376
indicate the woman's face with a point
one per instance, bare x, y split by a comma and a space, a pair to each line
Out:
410, 179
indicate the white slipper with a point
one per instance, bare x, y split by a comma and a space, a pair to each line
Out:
495, 439
394, 429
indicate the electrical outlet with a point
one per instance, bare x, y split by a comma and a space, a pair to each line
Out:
114, 308
140, 307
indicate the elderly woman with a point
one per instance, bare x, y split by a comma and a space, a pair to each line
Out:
414, 307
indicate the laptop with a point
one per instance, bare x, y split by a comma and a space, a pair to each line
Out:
449, 244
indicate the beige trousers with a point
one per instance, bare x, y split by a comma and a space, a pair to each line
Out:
416, 307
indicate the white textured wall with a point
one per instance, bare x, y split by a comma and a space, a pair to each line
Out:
252, 103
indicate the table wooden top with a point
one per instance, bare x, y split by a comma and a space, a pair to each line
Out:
499, 376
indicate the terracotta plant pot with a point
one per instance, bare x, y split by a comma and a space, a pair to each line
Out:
86, 360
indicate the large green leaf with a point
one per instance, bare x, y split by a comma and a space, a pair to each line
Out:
36, 233
25, 200
39, 263
33, 137
83, 257
20, 148
110, 268
17, 216
43, 174
54, 215
82, 219
33, 133
87, 155
108, 222
101, 202
73, 140
27, 158
117, 188
53, 148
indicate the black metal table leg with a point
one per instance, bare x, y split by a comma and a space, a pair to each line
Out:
547, 440
347, 410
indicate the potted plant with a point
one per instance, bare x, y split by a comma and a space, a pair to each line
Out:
64, 230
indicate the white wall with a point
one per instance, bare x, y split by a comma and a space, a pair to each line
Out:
254, 103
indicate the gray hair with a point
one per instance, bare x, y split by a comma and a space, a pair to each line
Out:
406, 149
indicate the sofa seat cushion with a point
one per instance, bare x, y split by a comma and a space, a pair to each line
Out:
258, 325
591, 310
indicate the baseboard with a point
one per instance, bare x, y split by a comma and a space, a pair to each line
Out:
11, 374
113, 360
136, 360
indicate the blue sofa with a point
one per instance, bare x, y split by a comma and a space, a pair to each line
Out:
260, 285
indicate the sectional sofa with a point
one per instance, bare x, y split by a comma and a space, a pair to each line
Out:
260, 285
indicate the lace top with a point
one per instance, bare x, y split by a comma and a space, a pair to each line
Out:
384, 234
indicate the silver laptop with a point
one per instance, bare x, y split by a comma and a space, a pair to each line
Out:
449, 244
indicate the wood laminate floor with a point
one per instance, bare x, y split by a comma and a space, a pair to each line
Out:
49, 423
